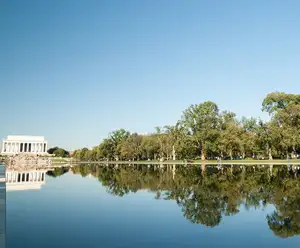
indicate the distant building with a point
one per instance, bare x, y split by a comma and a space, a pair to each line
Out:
15, 144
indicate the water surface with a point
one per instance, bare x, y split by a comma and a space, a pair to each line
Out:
152, 206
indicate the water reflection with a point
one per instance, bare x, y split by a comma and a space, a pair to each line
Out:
22, 178
206, 194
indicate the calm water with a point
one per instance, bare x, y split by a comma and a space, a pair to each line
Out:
141, 206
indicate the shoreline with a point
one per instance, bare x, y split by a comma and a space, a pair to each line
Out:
196, 162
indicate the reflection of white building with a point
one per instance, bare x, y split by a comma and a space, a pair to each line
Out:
14, 144
25, 180
2, 206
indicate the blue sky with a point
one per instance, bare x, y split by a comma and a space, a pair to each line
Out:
74, 71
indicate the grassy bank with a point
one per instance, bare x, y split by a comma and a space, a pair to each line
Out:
246, 162
60, 160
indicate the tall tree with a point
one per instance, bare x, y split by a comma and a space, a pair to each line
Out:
176, 138
230, 134
117, 137
131, 147
201, 121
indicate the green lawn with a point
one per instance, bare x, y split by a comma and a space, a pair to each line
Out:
60, 160
250, 162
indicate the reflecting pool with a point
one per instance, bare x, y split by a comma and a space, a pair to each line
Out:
154, 206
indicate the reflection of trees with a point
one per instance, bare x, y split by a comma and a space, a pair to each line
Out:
284, 225
58, 172
285, 220
205, 197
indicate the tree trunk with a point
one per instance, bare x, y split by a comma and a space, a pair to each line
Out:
202, 155
174, 153
230, 154
243, 155
270, 154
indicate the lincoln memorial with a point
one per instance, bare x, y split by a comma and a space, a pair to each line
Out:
14, 144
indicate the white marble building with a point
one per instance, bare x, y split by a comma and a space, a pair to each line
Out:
14, 144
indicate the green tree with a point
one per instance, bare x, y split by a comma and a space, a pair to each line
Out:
131, 147
117, 137
176, 139
58, 152
201, 121
230, 134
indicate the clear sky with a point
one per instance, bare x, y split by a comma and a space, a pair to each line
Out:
73, 71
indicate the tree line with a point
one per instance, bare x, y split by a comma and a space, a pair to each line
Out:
204, 132
206, 195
